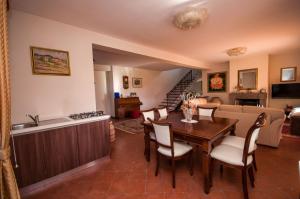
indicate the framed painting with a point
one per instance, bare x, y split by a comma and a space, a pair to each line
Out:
216, 82
50, 61
137, 82
288, 74
125, 82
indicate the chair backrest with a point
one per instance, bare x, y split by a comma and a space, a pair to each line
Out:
148, 114
164, 134
163, 112
206, 111
252, 136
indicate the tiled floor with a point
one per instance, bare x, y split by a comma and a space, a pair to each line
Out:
128, 175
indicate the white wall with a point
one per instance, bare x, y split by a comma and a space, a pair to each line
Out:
155, 83
260, 61
49, 96
53, 96
214, 69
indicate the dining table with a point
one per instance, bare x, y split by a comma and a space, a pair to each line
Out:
203, 131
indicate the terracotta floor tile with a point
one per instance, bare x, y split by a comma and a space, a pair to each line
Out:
130, 176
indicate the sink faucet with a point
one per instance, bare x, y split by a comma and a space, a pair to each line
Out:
36, 118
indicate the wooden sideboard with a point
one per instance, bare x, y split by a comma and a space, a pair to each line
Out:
41, 155
124, 106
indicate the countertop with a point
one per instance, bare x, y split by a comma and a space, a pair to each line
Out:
68, 122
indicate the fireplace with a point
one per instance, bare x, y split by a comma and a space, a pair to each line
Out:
250, 99
248, 102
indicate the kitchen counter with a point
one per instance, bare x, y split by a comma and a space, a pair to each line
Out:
58, 146
59, 124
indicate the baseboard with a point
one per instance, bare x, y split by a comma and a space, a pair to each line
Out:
68, 175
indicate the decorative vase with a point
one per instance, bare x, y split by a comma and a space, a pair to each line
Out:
188, 114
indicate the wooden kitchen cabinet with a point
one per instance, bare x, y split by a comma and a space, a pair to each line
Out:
45, 154
30, 157
92, 144
61, 150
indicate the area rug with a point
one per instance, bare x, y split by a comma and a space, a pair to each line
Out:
132, 126
286, 129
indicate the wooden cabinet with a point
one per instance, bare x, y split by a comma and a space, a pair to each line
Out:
124, 106
92, 144
61, 150
41, 155
31, 160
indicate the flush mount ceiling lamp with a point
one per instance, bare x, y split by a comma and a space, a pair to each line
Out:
236, 51
190, 18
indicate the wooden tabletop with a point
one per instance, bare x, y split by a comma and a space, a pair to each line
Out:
206, 128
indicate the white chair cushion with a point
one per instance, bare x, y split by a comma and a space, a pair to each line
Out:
163, 113
152, 136
179, 149
235, 141
205, 112
229, 154
149, 114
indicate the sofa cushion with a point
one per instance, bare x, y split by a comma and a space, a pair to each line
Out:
246, 120
231, 108
272, 112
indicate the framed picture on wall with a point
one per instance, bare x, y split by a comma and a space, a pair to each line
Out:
125, 82
216, 82
47, 61
137, 82
288, 74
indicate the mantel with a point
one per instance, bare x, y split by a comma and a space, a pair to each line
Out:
236, 97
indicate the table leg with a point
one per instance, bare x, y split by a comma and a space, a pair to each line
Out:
147, 143
206, 171
232, 130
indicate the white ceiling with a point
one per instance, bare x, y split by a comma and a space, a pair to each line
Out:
261, 25
108, 56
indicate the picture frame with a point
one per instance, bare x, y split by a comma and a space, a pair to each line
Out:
137, 82
288, 74
248, 79
125, 82
46, 61
217, 82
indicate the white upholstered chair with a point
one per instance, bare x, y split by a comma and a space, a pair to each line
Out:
151, 115
206, 111
170, 149
162, 112
239, 142
240, 158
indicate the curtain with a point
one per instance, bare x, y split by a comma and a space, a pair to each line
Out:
8, 184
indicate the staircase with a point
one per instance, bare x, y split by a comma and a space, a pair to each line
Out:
173, 100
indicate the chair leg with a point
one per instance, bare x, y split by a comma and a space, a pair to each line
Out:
191, 162
221, 170
245, 187
254, 161
173, 173
157, 163
251, 176
211, 171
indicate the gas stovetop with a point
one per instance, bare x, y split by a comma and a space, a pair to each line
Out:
86, 115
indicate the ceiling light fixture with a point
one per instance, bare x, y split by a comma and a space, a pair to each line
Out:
190, 18
236, 51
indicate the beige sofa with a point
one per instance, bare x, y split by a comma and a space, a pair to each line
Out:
270, 134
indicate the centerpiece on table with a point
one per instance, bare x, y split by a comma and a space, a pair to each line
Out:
187, 107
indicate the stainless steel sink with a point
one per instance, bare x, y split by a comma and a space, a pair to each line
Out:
22, 126
41, 123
